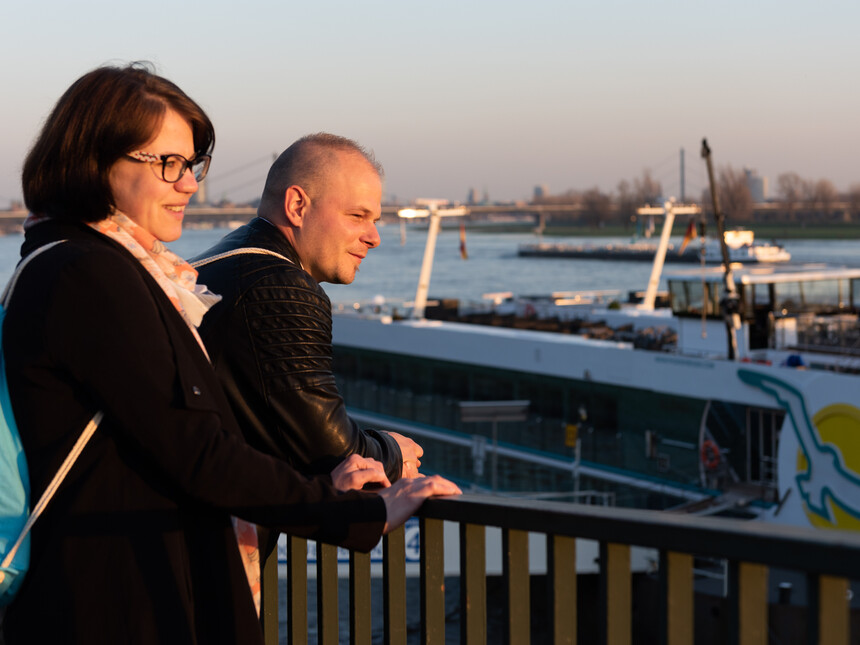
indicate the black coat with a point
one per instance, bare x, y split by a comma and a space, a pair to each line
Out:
270, 343
137, 545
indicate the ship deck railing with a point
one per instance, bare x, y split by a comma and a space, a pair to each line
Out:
748, 550
538, 458
836, 334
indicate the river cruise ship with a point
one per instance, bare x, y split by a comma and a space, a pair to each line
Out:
634, 405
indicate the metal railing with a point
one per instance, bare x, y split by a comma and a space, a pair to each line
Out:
523, 456
829, 560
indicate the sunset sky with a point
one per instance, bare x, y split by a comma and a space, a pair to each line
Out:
455, 94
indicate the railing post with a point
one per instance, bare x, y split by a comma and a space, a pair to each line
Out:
615, 594
561, 570
747, 603
327, 609
297, 590
269, 598
676, 596
432, 582
394, 587
360, 629
828, 610
515, 567
831, 561
473, 585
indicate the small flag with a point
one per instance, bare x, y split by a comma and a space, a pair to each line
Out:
689, 236
463, 253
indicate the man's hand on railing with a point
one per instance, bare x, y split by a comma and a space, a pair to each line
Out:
405, 496
356, 471
411, 452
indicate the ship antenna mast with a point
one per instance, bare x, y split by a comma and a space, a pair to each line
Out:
435, 214
730, 302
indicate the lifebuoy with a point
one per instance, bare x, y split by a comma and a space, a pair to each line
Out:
710, 454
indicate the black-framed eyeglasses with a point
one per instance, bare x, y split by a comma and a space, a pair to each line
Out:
173, 167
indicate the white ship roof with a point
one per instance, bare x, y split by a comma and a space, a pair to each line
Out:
766, 274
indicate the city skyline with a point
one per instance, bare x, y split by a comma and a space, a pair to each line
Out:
495, 97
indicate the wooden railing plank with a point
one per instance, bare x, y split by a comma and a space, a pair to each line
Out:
432, 582
827, 552
269, 599
515, 569
753, 604
676, 595
473, 585
297, 590
360, 629
561, 570
747, 603
327, 605
829, 611
831, 560
394, 587
616, 593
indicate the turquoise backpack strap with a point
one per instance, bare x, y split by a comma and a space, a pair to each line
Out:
15, 517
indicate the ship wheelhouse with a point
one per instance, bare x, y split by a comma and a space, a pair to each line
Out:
794, 308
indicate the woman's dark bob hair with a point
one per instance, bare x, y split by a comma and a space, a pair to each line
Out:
104, 114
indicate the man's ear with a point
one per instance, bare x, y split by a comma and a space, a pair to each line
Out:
296, 205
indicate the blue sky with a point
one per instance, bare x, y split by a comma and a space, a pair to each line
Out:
499, 96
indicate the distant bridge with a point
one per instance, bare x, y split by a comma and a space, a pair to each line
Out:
12, 220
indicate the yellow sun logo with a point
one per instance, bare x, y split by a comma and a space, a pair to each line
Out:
838, 428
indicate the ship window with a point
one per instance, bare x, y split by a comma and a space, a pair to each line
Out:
546, 401
819, 296
452, 383
746, 297
761, 293
375, 369
488, 388
678, 296
413, 376
693, 297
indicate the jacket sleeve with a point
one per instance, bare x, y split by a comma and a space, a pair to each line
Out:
97, 326
289, 328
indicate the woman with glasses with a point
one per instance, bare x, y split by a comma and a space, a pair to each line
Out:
148, 539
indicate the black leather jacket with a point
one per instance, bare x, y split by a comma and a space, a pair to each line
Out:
270, 343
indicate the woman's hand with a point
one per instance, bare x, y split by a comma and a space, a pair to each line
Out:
355, 472
405, 496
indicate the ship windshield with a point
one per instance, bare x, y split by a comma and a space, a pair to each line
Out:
693, 298
818, 296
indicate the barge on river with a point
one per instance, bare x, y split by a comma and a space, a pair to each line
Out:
742, 247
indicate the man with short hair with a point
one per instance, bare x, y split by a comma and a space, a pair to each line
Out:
269, 338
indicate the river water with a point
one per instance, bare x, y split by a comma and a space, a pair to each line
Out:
493, 266
391, 271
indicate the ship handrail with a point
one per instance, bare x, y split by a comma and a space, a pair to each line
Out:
640, 481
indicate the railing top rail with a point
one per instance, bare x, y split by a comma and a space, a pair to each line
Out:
804, 549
